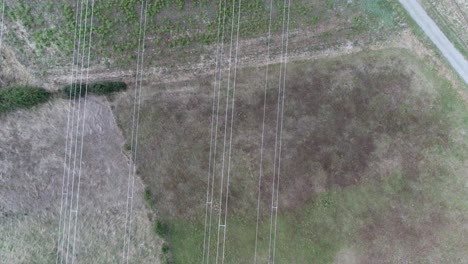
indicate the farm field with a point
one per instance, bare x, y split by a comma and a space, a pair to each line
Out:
371, 150
339, 136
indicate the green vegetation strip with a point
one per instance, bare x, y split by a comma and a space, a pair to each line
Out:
25, 97
18, 97
98, 88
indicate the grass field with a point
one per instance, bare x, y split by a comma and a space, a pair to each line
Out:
374, 151
42, 32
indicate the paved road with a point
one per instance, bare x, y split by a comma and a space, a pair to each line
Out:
429, 27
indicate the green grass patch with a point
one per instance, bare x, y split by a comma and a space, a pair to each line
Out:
22, 97
379, 11
317, 232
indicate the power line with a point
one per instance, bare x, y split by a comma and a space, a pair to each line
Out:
82, 131
136, 134
75, 211
208, 202
232, 124
219, 74
224, 138
263, 131
135, 127
72, 89
66, 135
65, 194
281, 133
275, 182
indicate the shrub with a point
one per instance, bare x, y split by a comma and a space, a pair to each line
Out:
148, 196
127, 146
161, 228
165, 248
74, 90
12, 98
166, 256
102, 88
98, 88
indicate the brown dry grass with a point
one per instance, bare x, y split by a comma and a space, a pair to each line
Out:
31, 152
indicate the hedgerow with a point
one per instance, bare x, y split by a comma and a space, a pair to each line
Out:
98, 88
17, 97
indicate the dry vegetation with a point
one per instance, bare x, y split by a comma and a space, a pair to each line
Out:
32, 146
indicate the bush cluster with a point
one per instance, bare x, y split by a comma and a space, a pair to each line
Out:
161, 228
21, 96
98, 88
16, 97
